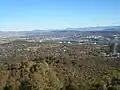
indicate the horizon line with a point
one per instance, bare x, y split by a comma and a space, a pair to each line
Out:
61, 28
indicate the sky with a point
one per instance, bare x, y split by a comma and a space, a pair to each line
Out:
20, 15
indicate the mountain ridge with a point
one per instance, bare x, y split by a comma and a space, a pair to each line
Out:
51, 31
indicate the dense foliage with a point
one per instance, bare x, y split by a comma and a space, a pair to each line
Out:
60, 67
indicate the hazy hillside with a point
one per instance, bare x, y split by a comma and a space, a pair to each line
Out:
67, 31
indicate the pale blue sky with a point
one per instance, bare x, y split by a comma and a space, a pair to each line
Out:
48, 14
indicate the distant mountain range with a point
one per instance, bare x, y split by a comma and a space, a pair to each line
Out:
98, 28
56, 31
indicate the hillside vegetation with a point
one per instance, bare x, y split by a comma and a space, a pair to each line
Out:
60, 67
